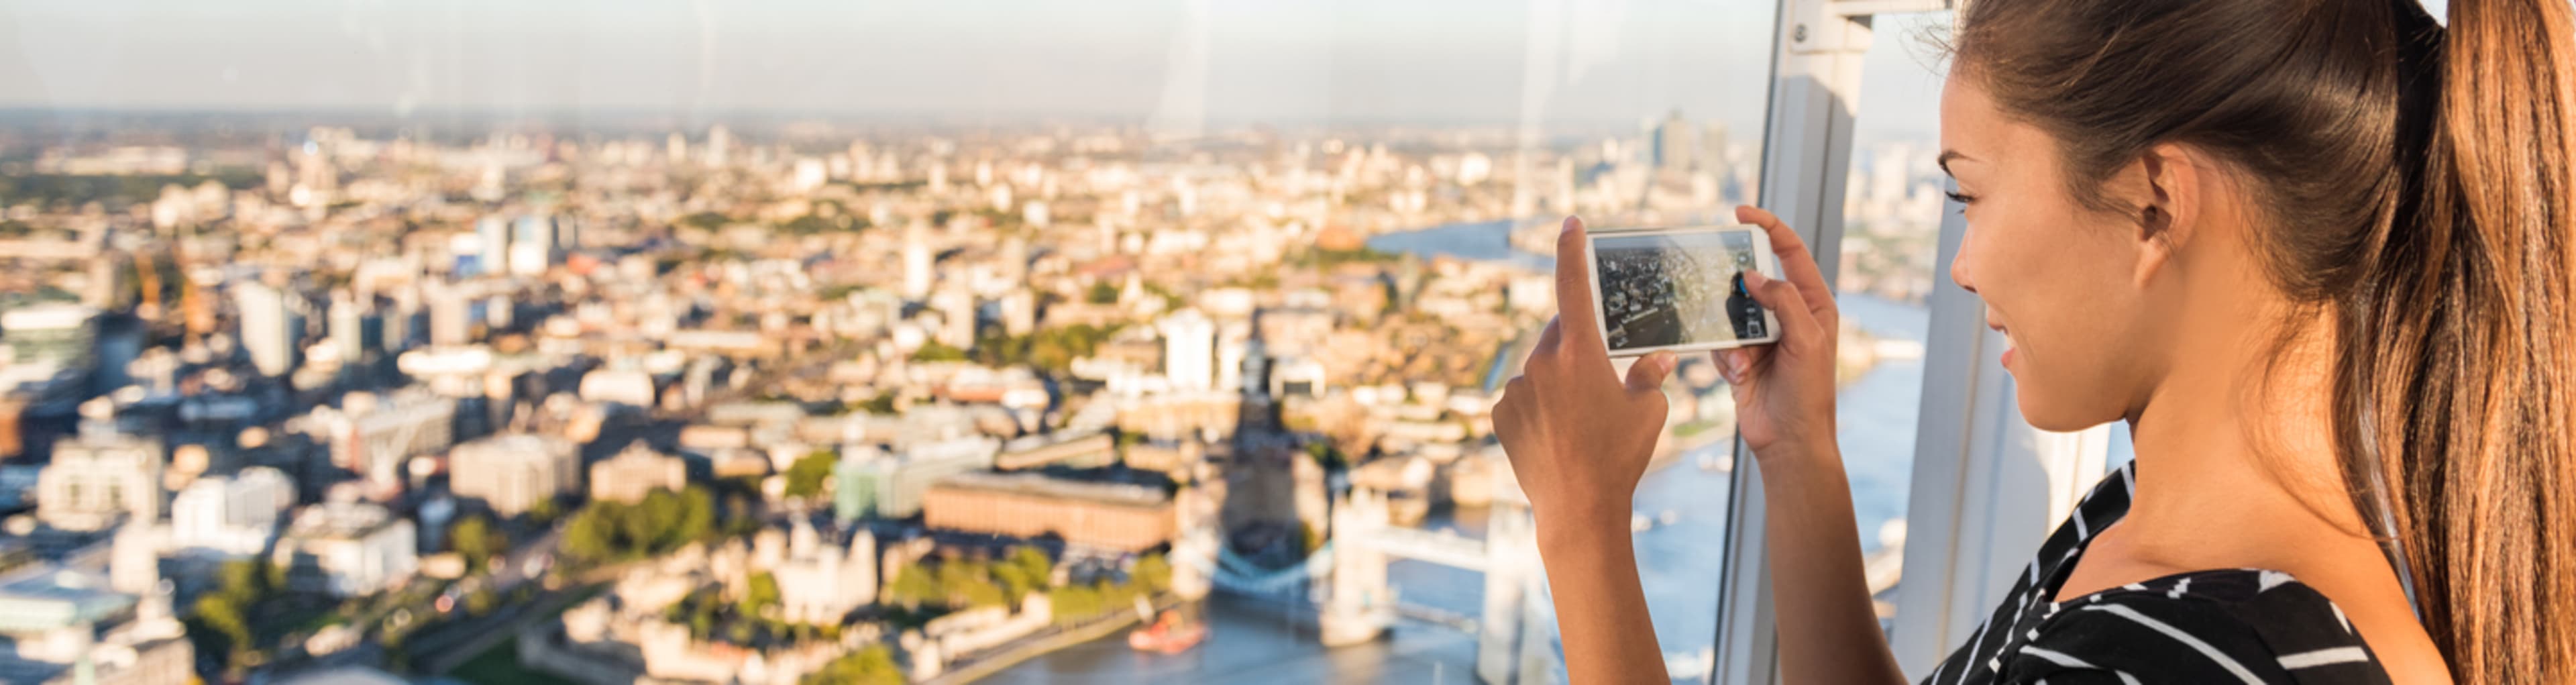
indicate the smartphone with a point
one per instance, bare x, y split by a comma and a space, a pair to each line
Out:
1680, 289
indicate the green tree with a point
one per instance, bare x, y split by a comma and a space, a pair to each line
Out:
913, 587
1101, 293
805, 478
761, 596
934, 351
1152, 573
870, 665
474, 539
590, 536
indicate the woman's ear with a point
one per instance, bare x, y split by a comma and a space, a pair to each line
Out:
2167, 200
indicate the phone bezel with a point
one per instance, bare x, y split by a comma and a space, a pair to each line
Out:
1763, 260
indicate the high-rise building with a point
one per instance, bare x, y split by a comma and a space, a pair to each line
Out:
1676, 143
231, 516
101, 476
916, 261
449, 313
512, 473
719, 144
532, 245
1189, 350
494, 233
269, 327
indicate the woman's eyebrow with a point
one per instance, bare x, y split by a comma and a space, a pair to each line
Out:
1947, 155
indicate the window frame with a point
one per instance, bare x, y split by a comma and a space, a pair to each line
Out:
1986, 487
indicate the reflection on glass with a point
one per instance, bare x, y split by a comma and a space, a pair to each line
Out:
1034, 342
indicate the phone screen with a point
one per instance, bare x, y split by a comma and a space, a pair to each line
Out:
1682, 288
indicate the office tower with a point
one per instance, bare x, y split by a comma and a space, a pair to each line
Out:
269, 329
676, 147
1676, 143
349, 327
512, 473
1189, 350
719, 144
494, 233
956, 309
916, 261
449, 323
532, 245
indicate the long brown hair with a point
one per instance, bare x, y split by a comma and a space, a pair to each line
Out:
2418, 191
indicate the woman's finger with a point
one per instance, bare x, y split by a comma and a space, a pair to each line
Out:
1796, 263
1798, 325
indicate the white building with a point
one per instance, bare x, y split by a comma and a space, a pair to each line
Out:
231, 516
373, 435
1189, 350
820, 583
916, 262
268, 327
347, 548
100, 477
512, 473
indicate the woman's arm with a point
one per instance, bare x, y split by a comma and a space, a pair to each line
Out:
1784, 399
1579, 439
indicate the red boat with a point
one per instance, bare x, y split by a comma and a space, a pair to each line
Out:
1169, 635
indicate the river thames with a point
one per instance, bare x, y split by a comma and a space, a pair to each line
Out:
1253, 642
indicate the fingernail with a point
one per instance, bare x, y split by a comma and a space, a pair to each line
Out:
1664, 361
1754, 277
1567, 226
1735, 366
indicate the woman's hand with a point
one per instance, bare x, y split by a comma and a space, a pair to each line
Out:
1578, 437
1784, 392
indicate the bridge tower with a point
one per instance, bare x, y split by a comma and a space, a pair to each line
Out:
1358, 605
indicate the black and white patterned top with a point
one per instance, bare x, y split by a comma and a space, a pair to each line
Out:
2218, 626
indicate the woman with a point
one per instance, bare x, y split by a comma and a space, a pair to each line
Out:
2317, 253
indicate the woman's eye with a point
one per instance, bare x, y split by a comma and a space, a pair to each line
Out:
1961, 198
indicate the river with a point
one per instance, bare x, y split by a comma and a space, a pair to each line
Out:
1677, 562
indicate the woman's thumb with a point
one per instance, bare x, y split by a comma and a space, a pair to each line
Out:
1647, 374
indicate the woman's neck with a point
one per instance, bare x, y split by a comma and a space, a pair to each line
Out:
2239, 441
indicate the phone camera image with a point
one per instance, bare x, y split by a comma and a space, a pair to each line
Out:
1668, 289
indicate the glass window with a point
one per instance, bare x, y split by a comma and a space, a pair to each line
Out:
868, 324
1892, 211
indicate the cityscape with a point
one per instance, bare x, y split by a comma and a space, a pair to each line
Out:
302, 395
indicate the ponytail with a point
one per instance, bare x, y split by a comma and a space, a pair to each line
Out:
2457, 387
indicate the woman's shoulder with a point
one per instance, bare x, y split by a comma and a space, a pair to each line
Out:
2212, 626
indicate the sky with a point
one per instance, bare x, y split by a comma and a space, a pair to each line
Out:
1548, 63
